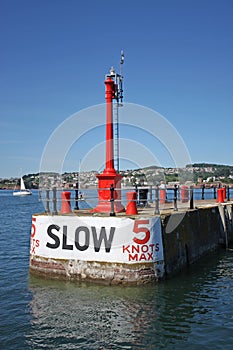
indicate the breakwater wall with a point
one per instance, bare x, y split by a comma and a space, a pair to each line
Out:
127, 249
195, 233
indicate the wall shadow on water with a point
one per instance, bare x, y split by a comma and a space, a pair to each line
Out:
183, 311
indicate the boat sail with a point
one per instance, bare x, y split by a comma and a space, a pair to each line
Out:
23, 191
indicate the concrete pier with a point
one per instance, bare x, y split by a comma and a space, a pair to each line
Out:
181, 238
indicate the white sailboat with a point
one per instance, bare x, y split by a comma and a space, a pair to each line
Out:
23, 191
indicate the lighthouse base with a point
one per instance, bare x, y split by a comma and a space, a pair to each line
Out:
106, 180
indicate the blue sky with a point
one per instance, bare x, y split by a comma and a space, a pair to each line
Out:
55, 54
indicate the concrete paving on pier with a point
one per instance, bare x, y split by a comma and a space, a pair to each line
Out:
164, 209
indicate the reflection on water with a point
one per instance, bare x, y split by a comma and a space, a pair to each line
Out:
194, 308
85, 316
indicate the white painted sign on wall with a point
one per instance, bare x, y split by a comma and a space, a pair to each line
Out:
108, 239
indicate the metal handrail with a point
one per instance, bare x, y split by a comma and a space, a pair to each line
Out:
174, 195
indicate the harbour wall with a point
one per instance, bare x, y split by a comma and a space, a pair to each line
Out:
195, 233
147, 248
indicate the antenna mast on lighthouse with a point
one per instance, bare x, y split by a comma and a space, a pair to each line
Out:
118, 78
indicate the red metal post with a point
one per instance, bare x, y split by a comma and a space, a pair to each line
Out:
65, 204
131, 208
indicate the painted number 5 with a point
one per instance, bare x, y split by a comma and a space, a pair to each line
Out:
33, 231
138, 228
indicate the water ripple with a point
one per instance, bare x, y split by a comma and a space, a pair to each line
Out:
190, 311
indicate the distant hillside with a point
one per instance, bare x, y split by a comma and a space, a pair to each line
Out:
203, 165
198, 173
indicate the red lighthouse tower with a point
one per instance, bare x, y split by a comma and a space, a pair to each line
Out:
110, 177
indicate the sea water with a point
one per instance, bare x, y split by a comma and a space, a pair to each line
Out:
193, 310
